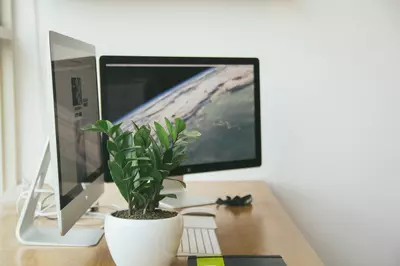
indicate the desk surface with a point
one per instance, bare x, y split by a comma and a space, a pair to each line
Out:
263, 228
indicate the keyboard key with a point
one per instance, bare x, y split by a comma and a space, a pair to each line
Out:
199, 241
192, 241
207, 242
185, 242
214, 241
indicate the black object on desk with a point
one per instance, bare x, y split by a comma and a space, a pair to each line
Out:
237, 260
236, 201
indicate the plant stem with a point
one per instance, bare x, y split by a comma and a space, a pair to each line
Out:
145, 207
129, 201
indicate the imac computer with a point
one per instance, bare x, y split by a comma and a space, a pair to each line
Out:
72, 159
220, 97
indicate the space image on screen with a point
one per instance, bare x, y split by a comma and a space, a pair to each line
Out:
217, 100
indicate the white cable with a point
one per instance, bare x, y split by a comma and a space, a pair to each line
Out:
95, 215
112, 206
42, 210
25, 186
46, 208
46, 198
41, 190
45, 214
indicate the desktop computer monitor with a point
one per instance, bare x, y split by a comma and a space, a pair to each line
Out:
76, 157
220, 97
76, 104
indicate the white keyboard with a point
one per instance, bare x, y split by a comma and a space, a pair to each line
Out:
199, 238
199, 242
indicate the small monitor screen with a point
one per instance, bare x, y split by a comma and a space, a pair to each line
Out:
219, 100
75, 105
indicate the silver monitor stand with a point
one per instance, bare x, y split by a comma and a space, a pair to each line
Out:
29, 233
184, 197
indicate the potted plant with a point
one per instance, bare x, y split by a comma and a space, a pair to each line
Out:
139, 163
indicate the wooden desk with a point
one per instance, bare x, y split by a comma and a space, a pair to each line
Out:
263, 228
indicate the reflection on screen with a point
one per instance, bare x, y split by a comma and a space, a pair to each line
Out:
76, 103
217, 100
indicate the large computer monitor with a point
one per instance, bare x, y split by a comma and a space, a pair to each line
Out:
220, 97
76, 156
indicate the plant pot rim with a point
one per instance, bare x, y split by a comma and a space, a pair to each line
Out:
111, 215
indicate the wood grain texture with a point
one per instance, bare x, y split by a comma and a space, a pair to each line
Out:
263, 228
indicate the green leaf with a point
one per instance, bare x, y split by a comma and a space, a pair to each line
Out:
114, 129
144, 165
177, 180
146, 189
157, 176
148, 127
146, 178
179, 149
168, 166
143, 159
162, 135
116, 170
139, 159
122, 136
146, 135
179, 125
154, 161
92, 128
157, 151
142, 137
112, 147
129, 168
167, 158
138, 140
176, 161
130, 173
134, 148
160, 198
127, 141
109, 124
181, 141
138, 199
192, 134
104, 125
143, 186
117, 175
119, 157
164, 173
136, 177
119, 132
135, 126
169, 196
135, 171
171, 129
127, 178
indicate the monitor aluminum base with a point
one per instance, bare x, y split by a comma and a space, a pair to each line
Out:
184, 198
29, 233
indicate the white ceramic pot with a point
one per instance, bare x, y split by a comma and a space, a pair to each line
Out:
143, 242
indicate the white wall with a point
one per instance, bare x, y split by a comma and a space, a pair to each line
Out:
330, 84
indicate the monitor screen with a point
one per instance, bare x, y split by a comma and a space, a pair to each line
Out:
76, 104
219, 98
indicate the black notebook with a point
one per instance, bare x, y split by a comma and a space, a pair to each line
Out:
237, 261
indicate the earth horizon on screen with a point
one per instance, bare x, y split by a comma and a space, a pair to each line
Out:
218, 102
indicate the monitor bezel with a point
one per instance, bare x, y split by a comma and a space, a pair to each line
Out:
159, 60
